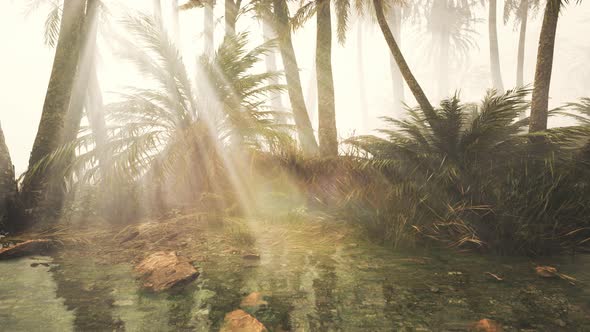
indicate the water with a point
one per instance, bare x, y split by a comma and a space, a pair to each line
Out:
310, 281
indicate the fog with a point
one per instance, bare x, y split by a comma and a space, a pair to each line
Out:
26, 65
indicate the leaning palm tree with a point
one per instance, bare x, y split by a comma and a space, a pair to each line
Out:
409, 77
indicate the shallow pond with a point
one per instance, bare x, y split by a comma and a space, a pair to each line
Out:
307, 284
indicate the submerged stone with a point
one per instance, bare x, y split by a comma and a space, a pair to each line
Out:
163, 270
253, 302
487, 325
241, 321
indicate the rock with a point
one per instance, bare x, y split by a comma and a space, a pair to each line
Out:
546, 271
241, 321
163, 270
31, 247
253, 302
487, 325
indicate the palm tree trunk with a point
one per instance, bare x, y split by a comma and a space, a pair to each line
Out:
443, 64
94, 110
395, 22
208, 29
8, 189
494, 49
540, 102
57, 99
302, 122
86, 64
327, 133
231, 16
364, 105
270, 60
522, 43
411, 81
312, 91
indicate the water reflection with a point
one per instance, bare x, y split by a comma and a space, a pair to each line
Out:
312, 287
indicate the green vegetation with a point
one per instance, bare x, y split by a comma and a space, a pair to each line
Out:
472, 176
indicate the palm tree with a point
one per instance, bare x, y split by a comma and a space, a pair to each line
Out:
450, 25
540, 101
327, 132
328, 136
521, 9
8, 188
494, 52
300, 114
232, 8
167, 118
208, 22
57, 100
411, 81
394, 19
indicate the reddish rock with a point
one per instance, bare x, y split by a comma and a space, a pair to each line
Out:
241, 321
31, 247
163, 270
487, 325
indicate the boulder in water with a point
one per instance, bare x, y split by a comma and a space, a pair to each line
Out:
241, 321
27, 248
161, 271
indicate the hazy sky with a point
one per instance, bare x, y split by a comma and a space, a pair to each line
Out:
26, 64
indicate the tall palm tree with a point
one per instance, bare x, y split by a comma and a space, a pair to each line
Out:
208, 22
232, 8
497, 82
520, 10
57, 99
540, 99
8, 191
87, 94
394, 19
328, 136
327, 132
450, 25
411, 81
283, 28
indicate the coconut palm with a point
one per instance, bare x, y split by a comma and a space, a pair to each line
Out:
8, 189
540, 102
450, 27
409, 77
497, 82
171, 124
519, 11
57, 100
327, 132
